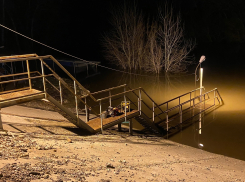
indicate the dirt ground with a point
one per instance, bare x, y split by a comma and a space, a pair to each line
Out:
47, 150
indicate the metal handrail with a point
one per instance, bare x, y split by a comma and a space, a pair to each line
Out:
109, 89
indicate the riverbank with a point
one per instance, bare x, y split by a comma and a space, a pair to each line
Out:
50, 150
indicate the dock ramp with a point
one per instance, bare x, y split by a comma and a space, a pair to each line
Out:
33, 79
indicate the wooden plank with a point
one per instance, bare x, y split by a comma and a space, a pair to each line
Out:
108, 122
19, 94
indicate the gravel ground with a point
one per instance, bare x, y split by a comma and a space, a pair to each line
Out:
47, 150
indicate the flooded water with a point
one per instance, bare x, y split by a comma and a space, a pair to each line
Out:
223, 130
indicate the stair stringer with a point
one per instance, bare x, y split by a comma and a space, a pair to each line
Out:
76, 121
148, 124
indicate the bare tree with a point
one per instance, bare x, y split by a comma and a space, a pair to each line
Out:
176, 48
147, 45
125, 45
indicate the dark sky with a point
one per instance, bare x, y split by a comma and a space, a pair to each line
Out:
77, 26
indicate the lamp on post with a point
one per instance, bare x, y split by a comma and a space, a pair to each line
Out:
201, 72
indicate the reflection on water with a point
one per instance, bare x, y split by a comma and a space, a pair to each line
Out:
221, 131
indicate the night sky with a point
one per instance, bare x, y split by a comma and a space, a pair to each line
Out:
76, 27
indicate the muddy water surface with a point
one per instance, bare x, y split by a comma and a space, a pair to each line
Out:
223, 130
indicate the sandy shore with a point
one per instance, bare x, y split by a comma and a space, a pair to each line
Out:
51, 150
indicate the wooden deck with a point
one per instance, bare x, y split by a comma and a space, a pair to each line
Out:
19, 96
111, 121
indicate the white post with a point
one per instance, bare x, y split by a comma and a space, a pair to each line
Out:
201, 78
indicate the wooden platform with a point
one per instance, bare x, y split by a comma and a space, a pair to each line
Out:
111, 121
19, 96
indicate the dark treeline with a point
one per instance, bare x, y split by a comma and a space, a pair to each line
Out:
77, 26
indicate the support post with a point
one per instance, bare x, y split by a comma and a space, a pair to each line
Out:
119, 127
130, 127
28, 72
167, 120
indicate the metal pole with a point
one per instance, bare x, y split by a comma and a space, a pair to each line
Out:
101, 119
110, 98
29, 75
140, 101
214, 96
61, 97
153, 112
86, 110
44, 84
190, 99
75, 89
125, 102
167, 120
201, 78
180, 113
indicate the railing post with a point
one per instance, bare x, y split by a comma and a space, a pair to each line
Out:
140, 100
101, 119
86, 109
204, 101
110, 97
125, 102
167, 120
44, 84
214, 96
153, 112
180, 113
190, 99
28, 72
61, 97
75, 89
